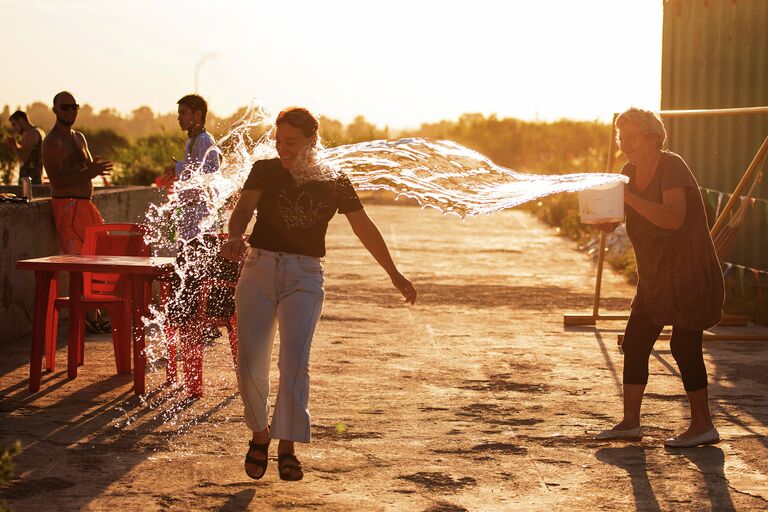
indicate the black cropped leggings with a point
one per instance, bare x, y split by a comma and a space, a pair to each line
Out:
639, 337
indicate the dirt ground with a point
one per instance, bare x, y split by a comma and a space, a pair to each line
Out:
477, 398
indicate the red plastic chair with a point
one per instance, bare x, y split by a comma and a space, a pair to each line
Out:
229, 322
108, 291
166, 182
193, 360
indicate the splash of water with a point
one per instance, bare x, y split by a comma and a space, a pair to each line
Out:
452, 178
437, 173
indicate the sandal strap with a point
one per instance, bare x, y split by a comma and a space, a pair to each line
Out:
288, 461
291, 457
92, 327
289, 467
262, 463
263, 448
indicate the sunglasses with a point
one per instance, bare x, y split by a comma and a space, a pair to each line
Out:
69, 106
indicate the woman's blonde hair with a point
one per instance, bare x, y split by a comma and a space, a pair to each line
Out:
648, 121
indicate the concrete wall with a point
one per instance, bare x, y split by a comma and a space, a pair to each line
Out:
27, 231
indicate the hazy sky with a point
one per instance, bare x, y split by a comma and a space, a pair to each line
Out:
396, 62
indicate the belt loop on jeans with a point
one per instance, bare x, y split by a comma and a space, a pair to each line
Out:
256, 255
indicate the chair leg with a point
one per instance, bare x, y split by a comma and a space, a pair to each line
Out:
116, 346
171, 365
147, 293
81, 343
126, 339
51, 339
193, 347
51, 324
120, 315
81, 350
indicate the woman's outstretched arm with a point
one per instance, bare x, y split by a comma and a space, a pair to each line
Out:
370, 236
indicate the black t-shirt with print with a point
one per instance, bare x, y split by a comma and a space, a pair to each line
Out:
294, 218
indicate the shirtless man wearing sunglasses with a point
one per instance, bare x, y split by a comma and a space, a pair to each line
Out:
70, 169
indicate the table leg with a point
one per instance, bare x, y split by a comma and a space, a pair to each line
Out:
138, 297
76, 322
42, 291
51, 323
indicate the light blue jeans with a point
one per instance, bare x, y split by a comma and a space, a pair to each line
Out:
282, 289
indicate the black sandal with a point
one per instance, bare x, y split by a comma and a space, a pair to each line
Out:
261, 448
287, 466
102, 323
92, 327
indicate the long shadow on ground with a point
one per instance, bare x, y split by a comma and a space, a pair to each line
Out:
80, 436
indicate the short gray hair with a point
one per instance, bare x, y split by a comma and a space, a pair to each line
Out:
648, 121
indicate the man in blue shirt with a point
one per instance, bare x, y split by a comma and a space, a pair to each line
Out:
201, 156
197, 249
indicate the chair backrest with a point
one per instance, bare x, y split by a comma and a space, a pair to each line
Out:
111, 240
218, 288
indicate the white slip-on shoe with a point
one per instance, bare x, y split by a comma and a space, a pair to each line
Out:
708, 437
629, 434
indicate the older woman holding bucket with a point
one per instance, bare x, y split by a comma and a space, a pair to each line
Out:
680, 282
282, 281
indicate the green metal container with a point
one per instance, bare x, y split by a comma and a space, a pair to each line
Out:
715, 55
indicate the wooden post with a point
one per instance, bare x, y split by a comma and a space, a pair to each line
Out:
576, 319
601, 257
750, 172
599, 280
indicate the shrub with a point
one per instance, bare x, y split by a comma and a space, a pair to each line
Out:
6, 467
105, 143
144, 160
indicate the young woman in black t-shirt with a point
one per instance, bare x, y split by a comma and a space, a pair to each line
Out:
282, 281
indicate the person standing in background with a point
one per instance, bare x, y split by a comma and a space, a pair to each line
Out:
30, 151
70, 169
196, 251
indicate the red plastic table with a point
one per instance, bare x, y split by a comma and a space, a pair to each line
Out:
141, 270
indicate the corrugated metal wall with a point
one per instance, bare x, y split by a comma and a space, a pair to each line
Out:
715, 55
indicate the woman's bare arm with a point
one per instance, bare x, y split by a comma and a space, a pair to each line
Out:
370, 236
234, 248
670, 214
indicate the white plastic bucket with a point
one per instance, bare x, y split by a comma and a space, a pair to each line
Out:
602, 204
